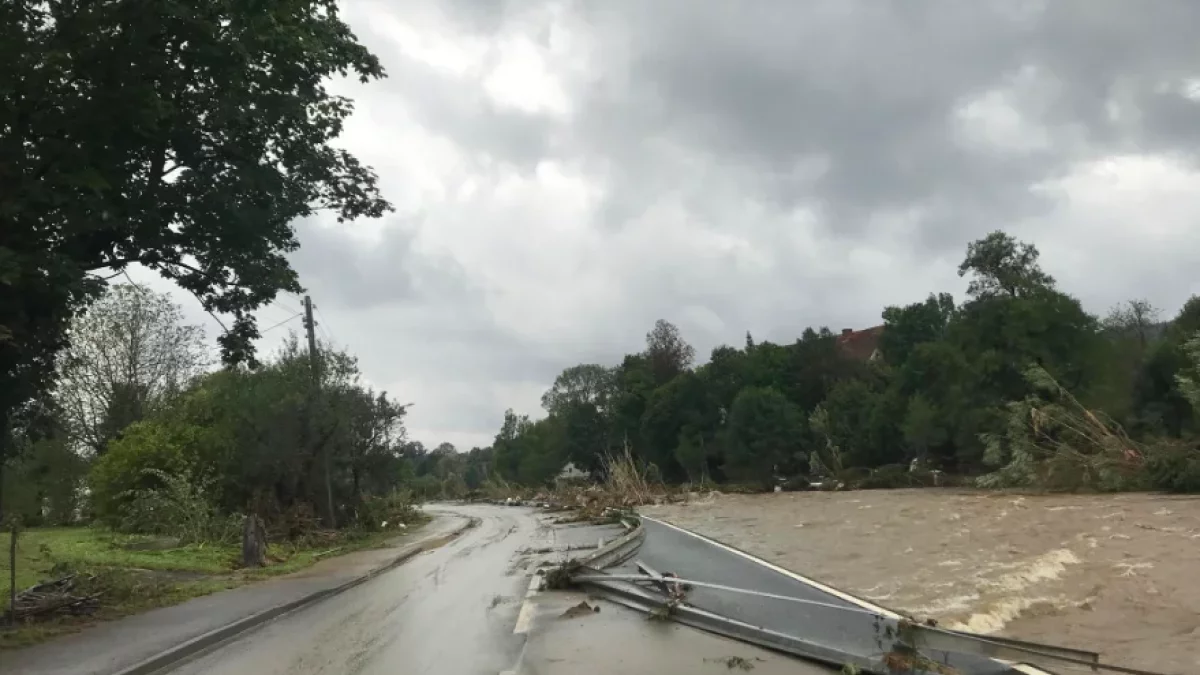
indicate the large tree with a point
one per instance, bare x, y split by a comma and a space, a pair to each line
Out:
999, 264
586, 383
130, 352
765, 433
906, 327
184, 136
669, 354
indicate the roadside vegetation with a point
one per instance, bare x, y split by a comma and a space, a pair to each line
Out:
111, 574
151, 473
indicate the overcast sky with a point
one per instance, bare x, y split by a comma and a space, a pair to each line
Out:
565, 173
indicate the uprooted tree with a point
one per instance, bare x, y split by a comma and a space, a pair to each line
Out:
1052, 440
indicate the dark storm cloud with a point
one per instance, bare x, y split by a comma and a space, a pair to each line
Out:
873, 88
360, 272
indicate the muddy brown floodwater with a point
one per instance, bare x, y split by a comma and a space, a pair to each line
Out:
1117, 574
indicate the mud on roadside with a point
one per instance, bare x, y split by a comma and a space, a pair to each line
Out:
1109, 573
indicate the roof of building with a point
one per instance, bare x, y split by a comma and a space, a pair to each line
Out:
860, 344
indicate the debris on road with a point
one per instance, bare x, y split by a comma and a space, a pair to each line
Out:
582, 609
559, 577
739, 662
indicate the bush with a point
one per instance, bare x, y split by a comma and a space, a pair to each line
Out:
393, 509
133, 464
1174, 468
181, 507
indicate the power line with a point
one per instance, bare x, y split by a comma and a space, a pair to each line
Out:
324, 326
144, 289
276, 302
277, 325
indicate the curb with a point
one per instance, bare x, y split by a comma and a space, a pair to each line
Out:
201, 643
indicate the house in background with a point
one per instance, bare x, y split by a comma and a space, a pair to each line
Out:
861, 345
571, 474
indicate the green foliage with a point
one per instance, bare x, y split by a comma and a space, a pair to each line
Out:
1052, 441
1172, 467
391, 509
667, 352
763, 436
691, 454
179, 505
1001, 265
1188, 378
923, 427
254, 441
907, 327
585, 384
137, 463
859, 420
682, 403
44, 484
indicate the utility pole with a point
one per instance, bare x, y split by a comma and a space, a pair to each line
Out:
314, 361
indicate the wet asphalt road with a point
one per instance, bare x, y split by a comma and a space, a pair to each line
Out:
448, 611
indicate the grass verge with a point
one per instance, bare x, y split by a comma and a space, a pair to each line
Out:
137, 573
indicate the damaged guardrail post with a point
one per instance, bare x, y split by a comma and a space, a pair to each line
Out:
613, 553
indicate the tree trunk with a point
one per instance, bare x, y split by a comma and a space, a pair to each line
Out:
254, 542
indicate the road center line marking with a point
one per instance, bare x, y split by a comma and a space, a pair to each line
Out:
815, 584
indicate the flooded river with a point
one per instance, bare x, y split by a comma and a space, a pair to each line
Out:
1110, 573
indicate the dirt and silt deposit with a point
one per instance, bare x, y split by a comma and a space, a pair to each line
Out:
1117, 574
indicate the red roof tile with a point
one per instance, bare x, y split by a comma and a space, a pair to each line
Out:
860, 344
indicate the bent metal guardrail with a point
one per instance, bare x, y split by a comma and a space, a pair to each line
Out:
872, 642
618, 550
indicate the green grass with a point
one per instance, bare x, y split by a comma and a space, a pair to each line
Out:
39, 549
138, 580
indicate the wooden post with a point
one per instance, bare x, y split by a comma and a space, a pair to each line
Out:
12, 574
314, 393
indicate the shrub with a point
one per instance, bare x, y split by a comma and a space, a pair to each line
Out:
1174, 468
181, 507
393, 509
134, 463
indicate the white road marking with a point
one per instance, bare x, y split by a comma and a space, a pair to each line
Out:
815, 584
525, 616
1026, 668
